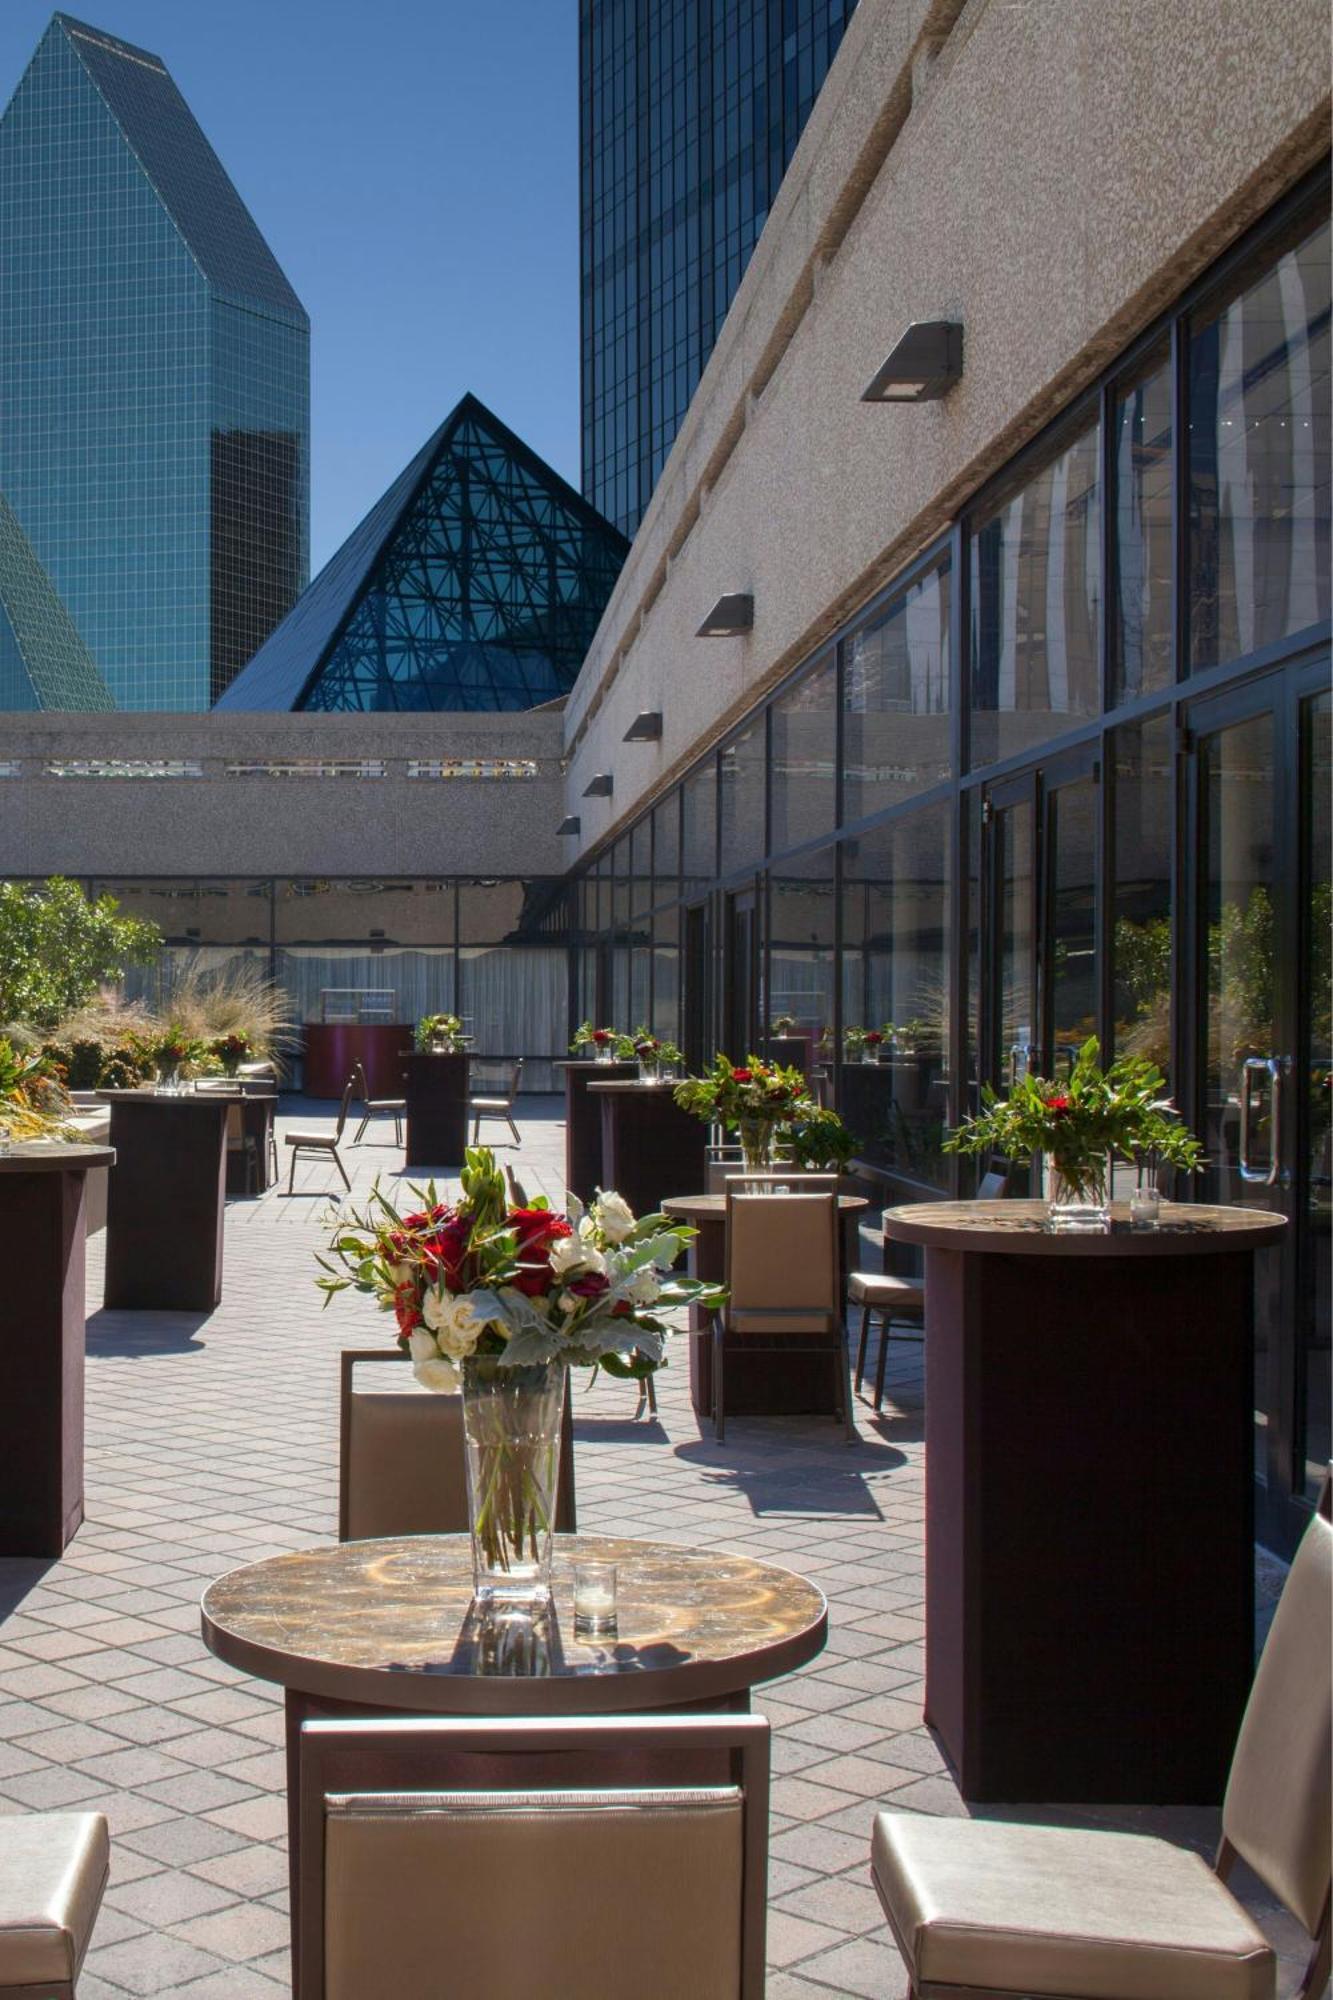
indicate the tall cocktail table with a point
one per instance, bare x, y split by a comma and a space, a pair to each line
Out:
42, 1238
387, 1627
166, 1200
1089, 1497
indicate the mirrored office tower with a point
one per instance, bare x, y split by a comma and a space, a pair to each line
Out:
154, 385
689, 113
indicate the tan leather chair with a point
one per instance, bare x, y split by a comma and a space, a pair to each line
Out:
783, 1290
978, 1908
589, 1857
498, 1107
395, 1106
53, 1870
401, 1467
322, 1142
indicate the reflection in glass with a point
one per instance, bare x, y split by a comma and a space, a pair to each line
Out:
1315, 1075
1142, 644
666, 975
666, 849
740, 799
698, 836
896, 980
1016, 1012
640, 867
804, 758
1072, 946
1142, 761
896, 675
802, 920
1259, 456
1036, 606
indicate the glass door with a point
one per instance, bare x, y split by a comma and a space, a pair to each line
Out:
741, 973
1260, 1043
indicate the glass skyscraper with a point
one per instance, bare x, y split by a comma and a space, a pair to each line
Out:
154, 393
689, 113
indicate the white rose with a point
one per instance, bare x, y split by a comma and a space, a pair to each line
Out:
571, 1253
428, 1365
614, 1217
452, 1319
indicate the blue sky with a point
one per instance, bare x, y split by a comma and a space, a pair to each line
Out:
414, 165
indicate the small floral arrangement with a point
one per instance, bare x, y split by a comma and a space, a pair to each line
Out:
597, 1039
782, 1024
439, 1031
231, 1050
174, 1053
513, 1281
1083, 1122
751, 1092
818, 1140
858, 1040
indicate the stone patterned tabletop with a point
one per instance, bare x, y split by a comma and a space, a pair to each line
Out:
391, 1623
1023, 1229
54, 1156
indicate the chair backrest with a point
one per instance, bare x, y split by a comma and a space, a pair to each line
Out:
348, 1088
993, 1186
359, 1079
782, 1260
1279, 1798
515, 1078
235, 1127
401, 1464
415, 1833
798, 1179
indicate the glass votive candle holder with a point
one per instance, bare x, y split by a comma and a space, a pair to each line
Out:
594, 1598
1145, 1207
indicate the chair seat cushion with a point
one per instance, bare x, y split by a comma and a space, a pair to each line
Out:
308, 1139
1053, 1910
53, 1869
500, 1104
880, 1288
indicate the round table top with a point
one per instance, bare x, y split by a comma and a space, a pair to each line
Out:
58, 1156
392, 1624
713, 1207
653, 1083
210, 1099
1023, 1229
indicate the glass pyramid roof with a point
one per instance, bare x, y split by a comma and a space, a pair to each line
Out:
476, 582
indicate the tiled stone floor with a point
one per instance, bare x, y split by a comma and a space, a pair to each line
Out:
212, 1442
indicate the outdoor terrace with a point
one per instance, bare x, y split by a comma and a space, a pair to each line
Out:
212, 1442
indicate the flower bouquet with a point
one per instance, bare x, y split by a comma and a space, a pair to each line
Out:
500, 1297
654, 1056
439, 1034
863, 1042
231, 1051
175, 1056
603, 1042
754, 1100
1080, 1125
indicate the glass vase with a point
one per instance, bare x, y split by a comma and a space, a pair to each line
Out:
603, 1052
648, 1070
756, 1137
511, 1430
1078, 1197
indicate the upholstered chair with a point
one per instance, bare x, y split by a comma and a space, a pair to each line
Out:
53, 1871
400, 1459
589, 1856
783, 1289
322, 1142
981, 1910
395, 1106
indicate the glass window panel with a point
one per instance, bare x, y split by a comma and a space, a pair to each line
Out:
1142, 644
1036, 606
804, 754
1071, 946
896, 677
1314, 1069
1142, 763
313, 909
666, 975
1259, 455
209, 912
802, 940
699, 830
741, 799
515, 1000
666, 849
896, 978
421, 981
640, 866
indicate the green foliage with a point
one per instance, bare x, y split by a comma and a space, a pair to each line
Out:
433, 1028
1081, 1120
732, 1094
586, 1036
819, 1141
95, 1065
56, 947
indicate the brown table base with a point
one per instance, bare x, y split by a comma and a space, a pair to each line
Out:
166, 1201
583, 1123
42, 1235
437, 1110
1089, 1523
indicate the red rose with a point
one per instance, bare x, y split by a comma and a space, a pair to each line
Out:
590, 1286
445, 1251
874, 1037
536, 1230
1059, 1106
405, 1307
742, 1076
600, 1035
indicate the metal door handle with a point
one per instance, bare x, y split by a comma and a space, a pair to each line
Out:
1271, 1067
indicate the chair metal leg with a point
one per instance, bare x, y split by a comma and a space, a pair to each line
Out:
861, 1347
341, 1168
291, 1178
397, 1129
719, 1399
361, 1130
652, 1395
881, 1361
476, 1129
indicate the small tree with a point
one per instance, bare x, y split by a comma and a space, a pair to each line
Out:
56, 948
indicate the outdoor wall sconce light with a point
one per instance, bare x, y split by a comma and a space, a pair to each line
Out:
600, 787
731, 614
646, 727
571, 823
924, 365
